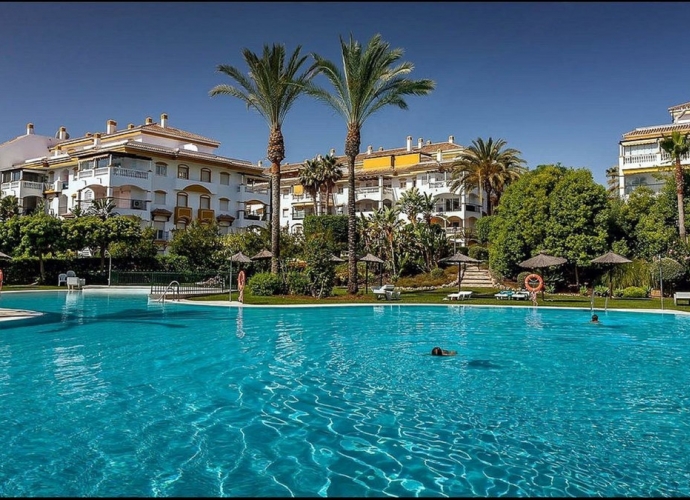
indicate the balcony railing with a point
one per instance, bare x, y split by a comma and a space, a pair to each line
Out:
248, 188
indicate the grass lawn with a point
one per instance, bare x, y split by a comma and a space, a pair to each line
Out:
480, 296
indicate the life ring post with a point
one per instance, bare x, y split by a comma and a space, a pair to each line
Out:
530, 280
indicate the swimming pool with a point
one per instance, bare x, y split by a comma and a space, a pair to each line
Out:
108, 395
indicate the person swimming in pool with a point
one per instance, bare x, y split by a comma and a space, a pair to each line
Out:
437, 351
595, 318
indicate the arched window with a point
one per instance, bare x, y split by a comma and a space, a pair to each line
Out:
182, 172
182, 199
204, 201
205, 175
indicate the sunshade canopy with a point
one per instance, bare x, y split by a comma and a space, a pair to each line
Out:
610, 258
542, 260
240, 257
371, 258
460, 258
263, 254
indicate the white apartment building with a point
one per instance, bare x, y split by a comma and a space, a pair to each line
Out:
641, 158
166, 176
381, 178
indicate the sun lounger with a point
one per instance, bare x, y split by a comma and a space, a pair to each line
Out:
394, 295
460, 295
681, 296
520, 296
380, 292
504, 295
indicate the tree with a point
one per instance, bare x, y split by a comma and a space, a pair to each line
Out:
271, 87
199, 243
310, 178
612, 181
371, 79
331, 172
410, 204
9, 207
677, 146
102, 208
41, 234
486, 166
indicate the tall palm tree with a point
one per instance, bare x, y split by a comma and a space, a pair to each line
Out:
9, 207
271, 87
488, 167
310, 178
332, 172
371, 79
102, 208
410, 204
612, 181
677, 146
427, 203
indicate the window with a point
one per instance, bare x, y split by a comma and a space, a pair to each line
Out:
224, 229
183, 172
159, 197
204, 202
341, 189
225, 178
286, 213
102, 162
181, 199
161, 169
86, 165
181, 225
224, 204
205, 175
403, 183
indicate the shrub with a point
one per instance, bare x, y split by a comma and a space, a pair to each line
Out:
584, 291
601, 291
521, 278
265, 284
437, 273
634, 292
479, 253
463, 250
297, 283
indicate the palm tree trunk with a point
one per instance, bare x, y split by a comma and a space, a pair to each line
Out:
352, 143
681, 202
276, 154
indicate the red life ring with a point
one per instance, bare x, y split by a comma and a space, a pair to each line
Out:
241, 279
528, 283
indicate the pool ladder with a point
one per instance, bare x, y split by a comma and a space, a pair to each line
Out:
170, 288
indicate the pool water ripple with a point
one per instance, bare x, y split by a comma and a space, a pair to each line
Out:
109, 395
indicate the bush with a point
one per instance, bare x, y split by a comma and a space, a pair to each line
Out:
601, 291
437, 273
479, 253
265, 284
584, 291
634, 292
297, 283
521, 278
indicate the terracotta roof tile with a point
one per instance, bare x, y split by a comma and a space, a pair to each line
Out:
176, 131
680, 106
656, 129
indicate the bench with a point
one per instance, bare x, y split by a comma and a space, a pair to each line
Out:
681, 296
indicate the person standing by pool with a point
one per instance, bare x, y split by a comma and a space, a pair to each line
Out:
533, 298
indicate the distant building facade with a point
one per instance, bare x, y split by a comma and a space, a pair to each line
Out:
166, 176
641, 158
382, 176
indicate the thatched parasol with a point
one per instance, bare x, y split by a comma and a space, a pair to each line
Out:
263, 254
610, 259
335, 258
461, 260
366, 259
542, 260
5, 256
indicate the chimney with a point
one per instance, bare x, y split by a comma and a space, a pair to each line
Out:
149, 120
88, 134
29, 128
451, 139
419, 142
261, 164
380, 148
96, 139
130, 126
369, 150
409, 143
62, 133
332, 152
164, 120
110, 127
428, 142
439, 156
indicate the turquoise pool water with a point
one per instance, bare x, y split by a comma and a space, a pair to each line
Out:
109, 395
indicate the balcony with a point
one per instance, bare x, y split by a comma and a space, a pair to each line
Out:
252, 215
248, 192
205, 214
115, 176
374, 193
183, 213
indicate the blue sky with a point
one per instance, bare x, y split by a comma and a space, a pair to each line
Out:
561, 81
